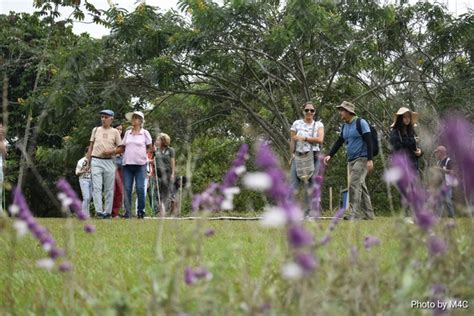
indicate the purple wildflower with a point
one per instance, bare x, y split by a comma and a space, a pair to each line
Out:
436, 246
280, 193
337, 217
457, 134
55, 253
89, 228
318, 179
202, 273
438, 289
39, 232
326, 239
370, 241
76, 204
306, 261
264, 308
65, 266
217, 197
299, 237
413, 194
189, 276
425, 219
209, 232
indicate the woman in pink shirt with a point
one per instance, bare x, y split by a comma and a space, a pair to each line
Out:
137, 142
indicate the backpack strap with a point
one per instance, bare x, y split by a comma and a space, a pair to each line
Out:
446, 162
359, 126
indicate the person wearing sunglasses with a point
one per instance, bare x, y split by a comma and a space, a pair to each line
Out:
306, 135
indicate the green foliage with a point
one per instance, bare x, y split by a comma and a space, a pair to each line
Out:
197, 77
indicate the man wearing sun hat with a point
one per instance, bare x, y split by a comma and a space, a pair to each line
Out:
359, 156
105, 143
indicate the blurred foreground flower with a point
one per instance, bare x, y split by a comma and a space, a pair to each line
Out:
436, 246
413, 194
370, 241
39, 232
457, 135
191, 276
220, 197
68, 197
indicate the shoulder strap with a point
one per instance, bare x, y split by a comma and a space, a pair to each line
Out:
446, 162
95, 131
359, 126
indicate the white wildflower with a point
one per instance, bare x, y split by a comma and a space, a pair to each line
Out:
292, 271
392, 175
240, 170
227, 205
14, 209
273, 217
45, 263
257, 181
230, 192
21, 227
47, 246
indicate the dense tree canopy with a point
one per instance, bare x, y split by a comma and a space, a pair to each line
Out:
218, 75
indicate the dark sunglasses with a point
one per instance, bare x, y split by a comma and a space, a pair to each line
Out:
309, 110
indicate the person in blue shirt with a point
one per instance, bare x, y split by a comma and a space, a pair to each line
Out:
359, 157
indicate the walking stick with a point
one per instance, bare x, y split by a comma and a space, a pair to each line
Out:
180, 194
157, 186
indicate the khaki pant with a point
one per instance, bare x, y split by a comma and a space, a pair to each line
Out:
359, 198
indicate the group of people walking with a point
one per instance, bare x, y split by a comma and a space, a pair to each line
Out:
307, 135
116, 163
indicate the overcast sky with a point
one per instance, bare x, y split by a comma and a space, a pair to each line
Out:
454, 6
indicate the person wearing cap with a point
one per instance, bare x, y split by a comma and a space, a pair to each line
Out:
105, 143
445, 165
359, 156
306, 135
137, 142
403, 137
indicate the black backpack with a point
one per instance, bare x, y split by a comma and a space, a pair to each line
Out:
373, 135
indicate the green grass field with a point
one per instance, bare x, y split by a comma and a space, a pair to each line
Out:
131, 267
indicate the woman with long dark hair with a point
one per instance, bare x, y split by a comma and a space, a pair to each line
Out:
403, 137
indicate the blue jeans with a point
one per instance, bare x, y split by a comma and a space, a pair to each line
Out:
295, 182
86, 190
448, 202
133, 173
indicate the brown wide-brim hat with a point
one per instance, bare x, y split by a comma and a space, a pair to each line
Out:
403, 110
349, 107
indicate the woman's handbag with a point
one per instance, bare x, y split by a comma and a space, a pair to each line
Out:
304, 163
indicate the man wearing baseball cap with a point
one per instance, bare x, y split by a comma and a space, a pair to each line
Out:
359, 156
105, 143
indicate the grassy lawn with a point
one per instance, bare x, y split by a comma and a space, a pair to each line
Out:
136, 267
